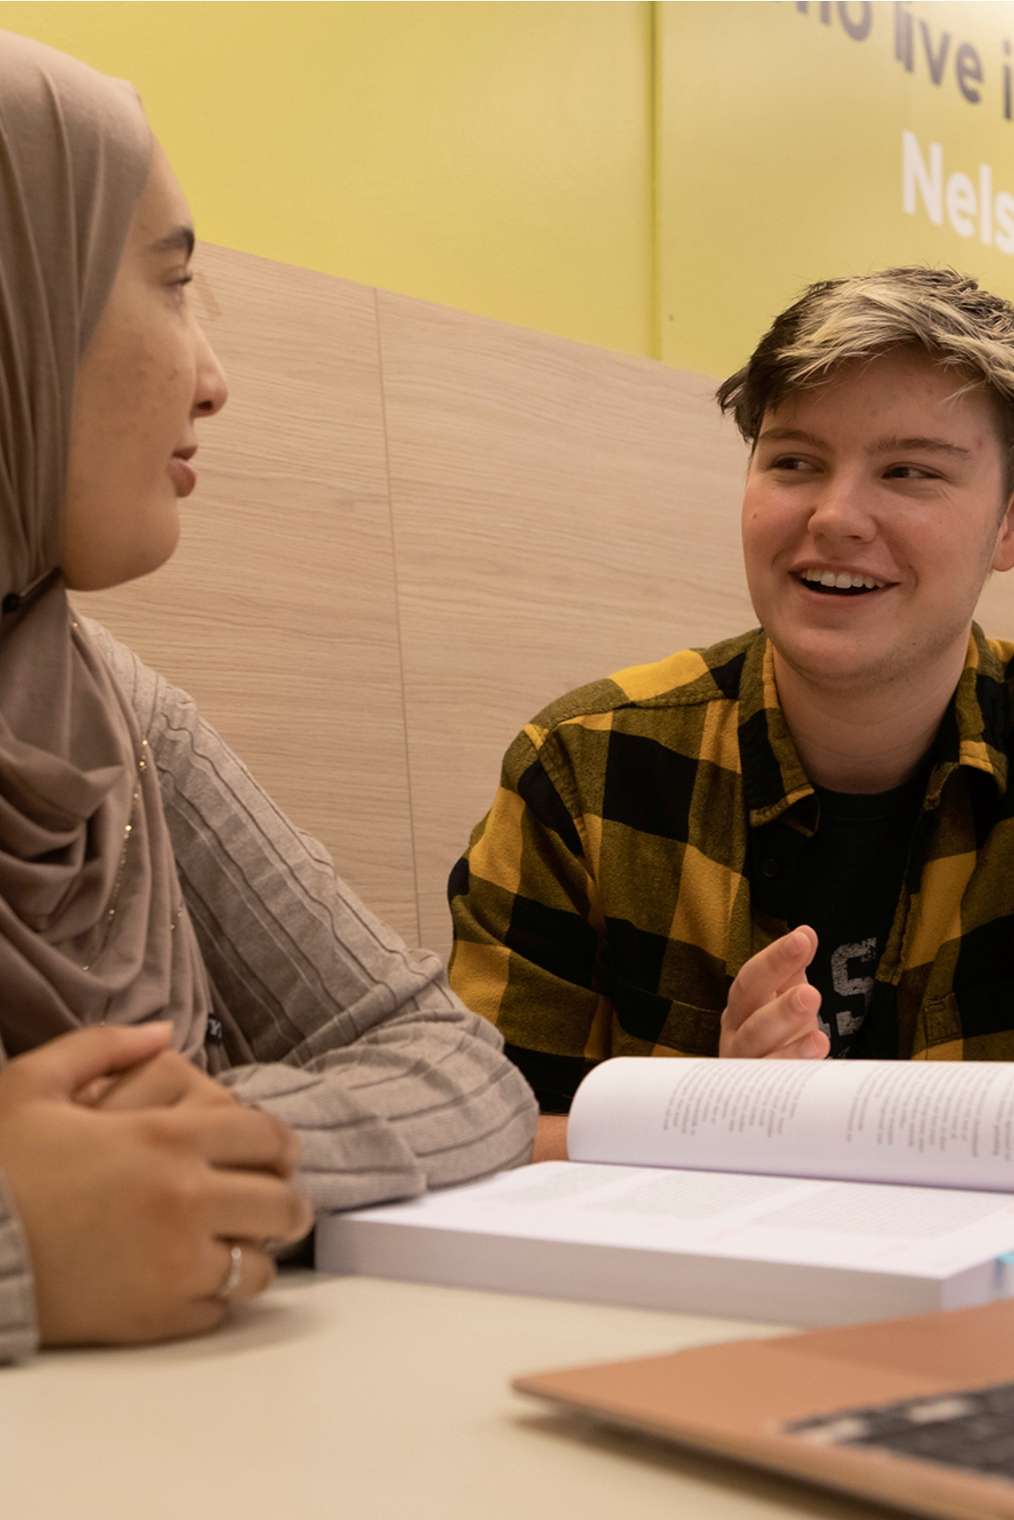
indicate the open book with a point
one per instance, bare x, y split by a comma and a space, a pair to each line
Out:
807, 1192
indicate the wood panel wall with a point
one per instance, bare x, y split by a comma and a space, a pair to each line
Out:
557, 512
278, 612
414, 528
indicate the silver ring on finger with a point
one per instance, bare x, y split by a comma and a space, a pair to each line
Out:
234, 1272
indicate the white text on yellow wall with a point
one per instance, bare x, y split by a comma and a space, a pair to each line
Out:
971, 208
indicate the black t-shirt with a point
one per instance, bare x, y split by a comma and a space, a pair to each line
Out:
844, 881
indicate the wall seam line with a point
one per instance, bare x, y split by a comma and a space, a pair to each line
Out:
381, 375
655, 163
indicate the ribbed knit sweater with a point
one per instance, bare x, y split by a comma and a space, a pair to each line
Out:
322, 1015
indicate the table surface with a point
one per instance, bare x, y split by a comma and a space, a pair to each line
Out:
381, 1400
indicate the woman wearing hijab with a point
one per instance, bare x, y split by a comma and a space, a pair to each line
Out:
188, 994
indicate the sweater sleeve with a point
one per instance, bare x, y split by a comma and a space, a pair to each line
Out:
18, 1331
324, 1016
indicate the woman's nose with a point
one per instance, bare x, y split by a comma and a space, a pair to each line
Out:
212, 387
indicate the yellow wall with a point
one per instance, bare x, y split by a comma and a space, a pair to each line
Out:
782, 150
494, 157
657, 178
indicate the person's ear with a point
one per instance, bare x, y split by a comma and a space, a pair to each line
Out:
1003, 554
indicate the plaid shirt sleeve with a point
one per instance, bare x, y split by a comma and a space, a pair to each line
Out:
592, 908
527, 949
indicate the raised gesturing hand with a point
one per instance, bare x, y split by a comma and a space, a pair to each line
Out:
772, 1009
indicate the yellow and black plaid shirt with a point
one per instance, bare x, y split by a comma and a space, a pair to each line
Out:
604, 907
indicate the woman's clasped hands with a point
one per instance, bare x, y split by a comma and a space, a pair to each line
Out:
147, 1192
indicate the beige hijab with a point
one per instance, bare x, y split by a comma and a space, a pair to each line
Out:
92, 924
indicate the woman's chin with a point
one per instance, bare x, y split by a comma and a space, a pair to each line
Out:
98, 571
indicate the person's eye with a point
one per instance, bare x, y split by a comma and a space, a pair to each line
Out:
791, 463
179, 285
910, 472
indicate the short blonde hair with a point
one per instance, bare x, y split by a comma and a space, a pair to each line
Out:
836, 321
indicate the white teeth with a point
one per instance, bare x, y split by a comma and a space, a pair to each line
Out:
841, 580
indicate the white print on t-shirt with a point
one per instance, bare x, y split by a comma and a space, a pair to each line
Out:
864, 951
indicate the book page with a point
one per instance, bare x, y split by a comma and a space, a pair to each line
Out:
774, 1219
943, 1123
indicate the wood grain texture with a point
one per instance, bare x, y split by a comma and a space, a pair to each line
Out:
278, 612
996, 606
559, 512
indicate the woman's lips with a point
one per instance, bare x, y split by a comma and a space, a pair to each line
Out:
183, 475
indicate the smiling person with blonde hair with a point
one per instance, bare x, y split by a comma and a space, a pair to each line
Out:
800, 841
203, 1035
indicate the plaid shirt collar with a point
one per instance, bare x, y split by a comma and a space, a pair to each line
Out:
972, 733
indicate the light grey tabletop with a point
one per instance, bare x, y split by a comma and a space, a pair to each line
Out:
337, 1397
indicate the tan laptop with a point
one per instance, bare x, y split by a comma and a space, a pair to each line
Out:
918, 1413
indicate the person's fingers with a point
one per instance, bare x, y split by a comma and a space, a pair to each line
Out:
813, 1046
156, 1084
161, 1082
65, 1065
785, 1019
166, 1322
243, 1277
92, 1093
249, 1208
237, 1136
199, 1317
771, 971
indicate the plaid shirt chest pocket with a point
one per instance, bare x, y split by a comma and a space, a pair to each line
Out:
666, 995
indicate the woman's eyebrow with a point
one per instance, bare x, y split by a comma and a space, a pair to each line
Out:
180, 240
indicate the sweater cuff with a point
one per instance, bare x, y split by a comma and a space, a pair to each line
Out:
19, 1335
